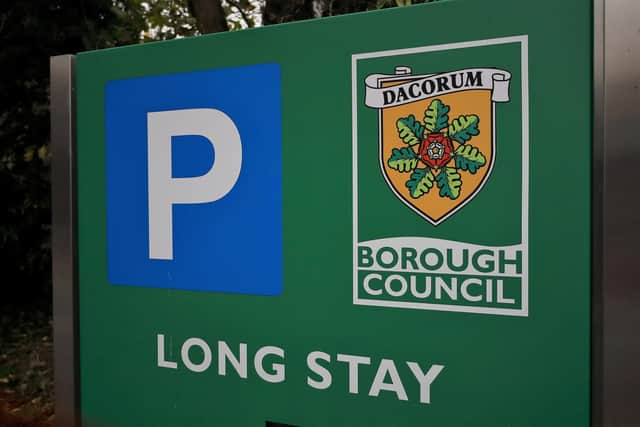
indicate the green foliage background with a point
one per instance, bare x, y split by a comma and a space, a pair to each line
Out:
31, 32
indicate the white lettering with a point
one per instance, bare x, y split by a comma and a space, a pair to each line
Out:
206, 360
368, 289
353, 362
278, 368
464, 290
388, 367
239, 364
165, 191
500, 294
325, 375
395, 278
425, 380
162, 362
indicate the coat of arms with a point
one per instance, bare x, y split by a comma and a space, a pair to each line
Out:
437, 141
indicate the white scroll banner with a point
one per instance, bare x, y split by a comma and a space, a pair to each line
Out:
419, 87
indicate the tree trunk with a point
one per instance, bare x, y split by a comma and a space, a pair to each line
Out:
279, 11
210, 16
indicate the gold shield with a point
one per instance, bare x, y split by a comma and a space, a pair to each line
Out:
437, 153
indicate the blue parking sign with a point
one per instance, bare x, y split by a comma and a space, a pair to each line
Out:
194, 180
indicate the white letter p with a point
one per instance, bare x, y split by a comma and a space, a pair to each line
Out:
164, 190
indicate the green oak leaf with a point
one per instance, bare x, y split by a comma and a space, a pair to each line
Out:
403, 159
410, 130
463, 128
436, 117
449, 182
469, 158
420, 183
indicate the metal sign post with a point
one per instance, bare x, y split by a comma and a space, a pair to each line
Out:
416, 216
64, 228
619, 376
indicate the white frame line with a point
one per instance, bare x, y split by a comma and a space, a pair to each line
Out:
523, 40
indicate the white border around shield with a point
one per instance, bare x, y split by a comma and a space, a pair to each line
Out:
523, 40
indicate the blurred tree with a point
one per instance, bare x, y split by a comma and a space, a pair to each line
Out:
30, 32
250, 13
158, 19
243, 13
210, 15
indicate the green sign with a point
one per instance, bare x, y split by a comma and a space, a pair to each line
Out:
355, 221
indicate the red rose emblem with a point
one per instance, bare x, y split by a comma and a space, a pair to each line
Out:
436, 150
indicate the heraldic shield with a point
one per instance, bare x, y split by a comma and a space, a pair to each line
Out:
437, 139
